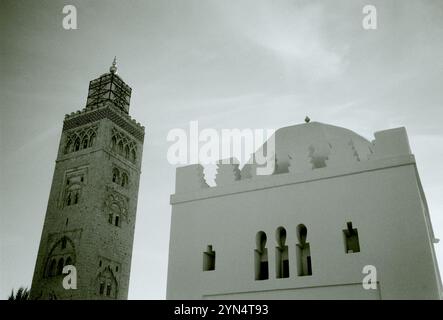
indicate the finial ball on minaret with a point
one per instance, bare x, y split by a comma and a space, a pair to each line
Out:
307, 119
113, 68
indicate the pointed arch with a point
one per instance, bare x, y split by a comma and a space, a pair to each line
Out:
120, 147
115, 175
64, 248
107, 283
85, 142
125, 179
51, 268
77, 144
92, 139
60, 266
113, 143
68, 146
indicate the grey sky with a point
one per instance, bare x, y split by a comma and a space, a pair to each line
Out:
228, 64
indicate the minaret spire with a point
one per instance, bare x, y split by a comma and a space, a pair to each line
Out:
113, 68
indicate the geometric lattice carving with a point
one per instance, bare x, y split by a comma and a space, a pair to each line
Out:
124, 146
80, 139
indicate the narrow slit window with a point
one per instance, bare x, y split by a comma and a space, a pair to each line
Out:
352, 244
303, 252
209, 259
261, 257
281, 254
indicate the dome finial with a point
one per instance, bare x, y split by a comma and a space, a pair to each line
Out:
307, 119
113, 68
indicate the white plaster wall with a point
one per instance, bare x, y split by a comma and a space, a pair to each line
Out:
383, 204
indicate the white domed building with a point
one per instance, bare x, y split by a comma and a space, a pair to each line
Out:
338, 211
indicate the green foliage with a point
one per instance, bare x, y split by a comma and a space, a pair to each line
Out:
22, 294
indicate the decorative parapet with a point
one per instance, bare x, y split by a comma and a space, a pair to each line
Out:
298, 164
342, 153
335, 157
190, 178
227, 172
104, 110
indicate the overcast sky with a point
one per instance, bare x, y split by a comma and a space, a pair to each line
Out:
228, 64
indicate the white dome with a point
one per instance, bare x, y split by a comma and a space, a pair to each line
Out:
317, 140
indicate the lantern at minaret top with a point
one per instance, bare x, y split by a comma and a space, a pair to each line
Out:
109, 87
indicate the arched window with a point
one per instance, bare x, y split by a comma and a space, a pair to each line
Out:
73, 193
68, 261
120, 148
126, 152
51, 270
115, 175
133, 155
69, 199
92, 139
107, 284
77, 144
64, 243
76, 197
60, 265
68, 146
85, 142
304, 264
124, 182
281, 254
261, 257
108, 289
113, 143
114, 215
102, 288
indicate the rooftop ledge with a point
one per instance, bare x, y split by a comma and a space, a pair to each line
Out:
278, 180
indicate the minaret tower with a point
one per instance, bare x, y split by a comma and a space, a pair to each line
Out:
92, 205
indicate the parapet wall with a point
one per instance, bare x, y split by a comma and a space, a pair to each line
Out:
390, 148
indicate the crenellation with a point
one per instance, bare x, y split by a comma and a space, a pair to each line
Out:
227, 172
335, 152
190, 178
342, 153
